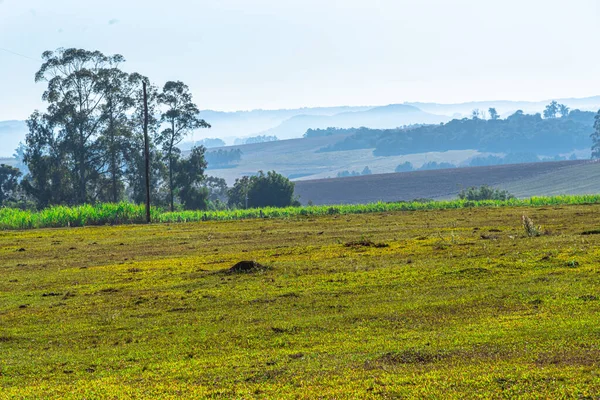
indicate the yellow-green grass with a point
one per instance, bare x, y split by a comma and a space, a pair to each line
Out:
460, 304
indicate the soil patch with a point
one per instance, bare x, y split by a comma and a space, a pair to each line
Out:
247, 267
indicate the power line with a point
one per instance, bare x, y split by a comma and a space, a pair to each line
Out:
19, 54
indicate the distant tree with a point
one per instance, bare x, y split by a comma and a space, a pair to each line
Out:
270, 190
484, 161
406, 167
551, 110
260, 139
493, 114
210, 143
189, 176
237, 195
476, 114
596, 137
223, 158
432, 165
217, 188
181, 117
346, 173
327, 132
520, 158
366, 171
19, 155
563, 110
516, 114
484, 193
9, 183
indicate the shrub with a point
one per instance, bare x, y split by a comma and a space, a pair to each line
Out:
484, 193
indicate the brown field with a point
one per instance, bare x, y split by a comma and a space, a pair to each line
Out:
447, 183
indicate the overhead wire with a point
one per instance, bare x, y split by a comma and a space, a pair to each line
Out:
19, 54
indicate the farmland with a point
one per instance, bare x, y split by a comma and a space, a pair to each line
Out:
524, 180
128, 213
300, 159
447, 303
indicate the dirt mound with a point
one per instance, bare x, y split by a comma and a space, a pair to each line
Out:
366, 243
247, 267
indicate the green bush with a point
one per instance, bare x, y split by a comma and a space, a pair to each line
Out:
484, 193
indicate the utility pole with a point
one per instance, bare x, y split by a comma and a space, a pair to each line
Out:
146, 153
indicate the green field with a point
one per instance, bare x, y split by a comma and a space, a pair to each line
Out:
455, 303
128, 213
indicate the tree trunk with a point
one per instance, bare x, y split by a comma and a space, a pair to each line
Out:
81, 167
171, 180
113, 159
171, 164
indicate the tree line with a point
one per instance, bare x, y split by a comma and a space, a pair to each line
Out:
559, 130
87, 145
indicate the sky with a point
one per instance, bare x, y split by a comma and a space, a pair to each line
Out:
270, 54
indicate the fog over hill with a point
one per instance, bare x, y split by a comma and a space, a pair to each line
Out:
293, 123
11, 133
506, 107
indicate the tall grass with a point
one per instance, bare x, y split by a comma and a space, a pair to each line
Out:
84, 215
127, 213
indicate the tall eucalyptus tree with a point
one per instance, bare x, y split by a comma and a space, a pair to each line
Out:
180, 117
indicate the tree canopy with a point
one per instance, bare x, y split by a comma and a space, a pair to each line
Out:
517, 133
262, 190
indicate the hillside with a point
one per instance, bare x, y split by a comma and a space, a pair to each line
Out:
518, 133
11, 133
504, 107
301, 159
228, 125
292, 123
522, 179
390, 116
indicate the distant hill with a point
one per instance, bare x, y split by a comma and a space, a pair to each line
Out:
11, 133
390, 116
505, 107
293, 123
524, 180
301, 159
242, 124
516, 133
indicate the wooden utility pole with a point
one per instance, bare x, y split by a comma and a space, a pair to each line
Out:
146, 154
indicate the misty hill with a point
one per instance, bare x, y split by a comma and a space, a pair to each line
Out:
301, 159
517, 133
505, 107
390, 116
11, 133
240, 124
293, 123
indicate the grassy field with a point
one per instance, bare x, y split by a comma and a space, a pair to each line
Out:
128, 213
425, 304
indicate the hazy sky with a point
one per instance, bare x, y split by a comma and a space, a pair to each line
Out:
247, 54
